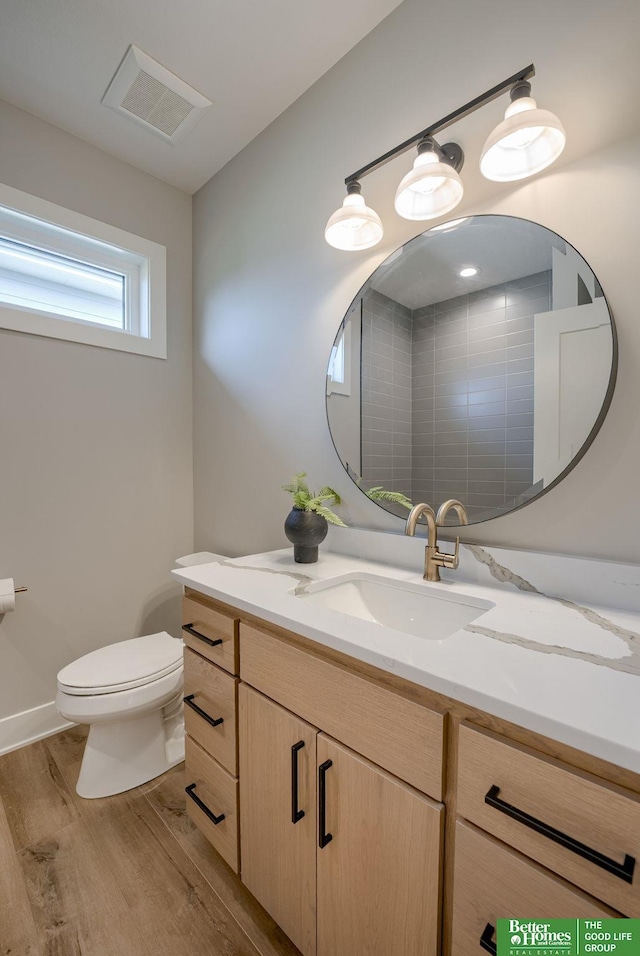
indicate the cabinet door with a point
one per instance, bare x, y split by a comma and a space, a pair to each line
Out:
379, 874
278, 855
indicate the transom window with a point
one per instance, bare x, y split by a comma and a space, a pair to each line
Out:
63, 275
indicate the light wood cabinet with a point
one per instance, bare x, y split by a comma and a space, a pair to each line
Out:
278, 812
379, 874
211, 746
364, 755
209, 631
492, 882
213, 801
308, 802
582, 828
392, 731
210, 712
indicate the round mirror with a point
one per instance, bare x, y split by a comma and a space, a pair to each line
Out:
477, 362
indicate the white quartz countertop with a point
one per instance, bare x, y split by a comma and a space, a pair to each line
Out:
556, 665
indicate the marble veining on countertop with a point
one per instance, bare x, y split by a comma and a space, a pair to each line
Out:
558, 650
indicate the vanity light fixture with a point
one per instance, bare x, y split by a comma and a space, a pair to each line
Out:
355, 225
525, 142
433, 187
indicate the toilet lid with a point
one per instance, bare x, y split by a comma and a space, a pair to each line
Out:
122, 666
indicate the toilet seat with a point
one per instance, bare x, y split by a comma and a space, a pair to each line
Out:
122, 666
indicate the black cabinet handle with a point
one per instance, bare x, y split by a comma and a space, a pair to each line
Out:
323, 836
190, 629
486, 941
214, 721
205, 809
296, 814
623, 871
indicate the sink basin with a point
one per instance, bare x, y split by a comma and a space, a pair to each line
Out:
415, 609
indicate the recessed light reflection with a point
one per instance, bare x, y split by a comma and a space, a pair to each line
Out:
446, 226
468, 272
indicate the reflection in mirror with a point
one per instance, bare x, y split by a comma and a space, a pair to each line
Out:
476, 363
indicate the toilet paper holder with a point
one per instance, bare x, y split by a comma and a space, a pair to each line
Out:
20, 590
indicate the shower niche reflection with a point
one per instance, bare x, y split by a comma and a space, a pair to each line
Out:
484, 387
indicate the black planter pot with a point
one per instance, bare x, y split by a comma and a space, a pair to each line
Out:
306, 530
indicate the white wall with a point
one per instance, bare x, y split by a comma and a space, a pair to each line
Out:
269, 292
96, 445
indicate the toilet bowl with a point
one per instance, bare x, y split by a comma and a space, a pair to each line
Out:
130, 694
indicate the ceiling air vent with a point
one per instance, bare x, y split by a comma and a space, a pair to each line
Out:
151, 96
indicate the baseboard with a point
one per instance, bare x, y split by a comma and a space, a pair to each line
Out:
18, 730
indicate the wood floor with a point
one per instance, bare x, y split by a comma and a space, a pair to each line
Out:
124, 876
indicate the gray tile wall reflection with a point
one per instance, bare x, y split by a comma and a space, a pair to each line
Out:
450, 388
386, 393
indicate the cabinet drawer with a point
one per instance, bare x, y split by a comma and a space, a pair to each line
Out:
492, 882
395, 733
218, 791
210, 625
213, 692
571, 822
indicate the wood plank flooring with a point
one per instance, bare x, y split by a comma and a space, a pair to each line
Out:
128, 875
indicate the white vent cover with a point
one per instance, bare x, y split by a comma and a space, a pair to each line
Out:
151, 96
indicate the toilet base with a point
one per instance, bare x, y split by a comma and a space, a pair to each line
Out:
124, 754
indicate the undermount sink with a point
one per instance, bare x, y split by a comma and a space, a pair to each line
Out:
415, 609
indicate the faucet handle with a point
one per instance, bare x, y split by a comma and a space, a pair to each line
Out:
445, 560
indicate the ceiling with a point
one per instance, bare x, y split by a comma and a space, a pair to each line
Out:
503, 248
251, 58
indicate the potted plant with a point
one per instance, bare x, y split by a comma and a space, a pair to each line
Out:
306, 524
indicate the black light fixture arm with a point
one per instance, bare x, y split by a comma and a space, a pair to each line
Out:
450, 153
446, 121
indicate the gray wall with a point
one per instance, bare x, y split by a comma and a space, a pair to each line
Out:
270, 293
96, 477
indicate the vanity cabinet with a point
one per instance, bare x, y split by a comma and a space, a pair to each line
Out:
378, 818
320, 822
211, 747
584, 829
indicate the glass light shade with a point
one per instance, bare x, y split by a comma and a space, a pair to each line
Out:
354, 226
527, 140
429, 190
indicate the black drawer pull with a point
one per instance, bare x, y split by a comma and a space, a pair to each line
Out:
214, 721
323, 836
296, 814
486, 941
190, 629
205, 809
623, 871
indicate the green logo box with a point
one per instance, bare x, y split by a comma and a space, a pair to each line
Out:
568, 937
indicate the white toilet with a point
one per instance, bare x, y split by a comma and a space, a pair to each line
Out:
130, 694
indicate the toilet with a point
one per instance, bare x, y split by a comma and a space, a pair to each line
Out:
130, 694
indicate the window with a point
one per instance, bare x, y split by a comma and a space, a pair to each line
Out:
63, 275
339, 371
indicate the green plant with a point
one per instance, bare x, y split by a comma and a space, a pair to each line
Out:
379, 493
307, 500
